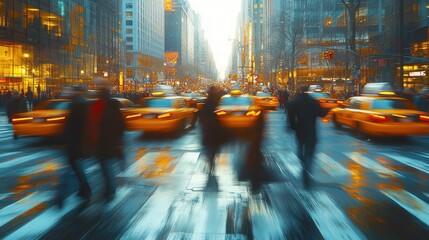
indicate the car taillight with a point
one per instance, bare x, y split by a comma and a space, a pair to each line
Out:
339, 101
220, 113
17, 119
322, 101
164, 115
130, 116
253, 113
424, 118
378, 118
56, 119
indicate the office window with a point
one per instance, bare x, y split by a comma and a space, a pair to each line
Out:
129, 14
129, 31
129, 47
129, 39
129, 22
128, 5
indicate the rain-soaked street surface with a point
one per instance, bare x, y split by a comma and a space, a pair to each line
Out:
363, 189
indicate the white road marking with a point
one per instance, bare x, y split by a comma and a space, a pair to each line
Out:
121, 193
331, 221
134, 170
45, 221
411, 203
425, 155
330, 167
186, 163
371, 164
266, 224
293, 164
151, 216
422, 166
23, 159
5, 195
52, 165
2, 155
15, 209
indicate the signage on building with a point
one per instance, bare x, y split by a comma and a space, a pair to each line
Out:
171, 61
417, 74
169, 5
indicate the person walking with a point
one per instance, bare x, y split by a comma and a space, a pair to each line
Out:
76, 150
212, 134
302, 112
106, 130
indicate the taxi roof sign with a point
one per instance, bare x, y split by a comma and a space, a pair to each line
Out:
236, 92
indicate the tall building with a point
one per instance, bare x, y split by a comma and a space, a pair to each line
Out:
46, 45
143, 32
179, 41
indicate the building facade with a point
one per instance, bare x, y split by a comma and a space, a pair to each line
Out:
143, 33
46, 45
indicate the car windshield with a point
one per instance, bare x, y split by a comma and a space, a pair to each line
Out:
193, 95
392, 104
319, 95
54, 105
236, 101
158, 103
262, 94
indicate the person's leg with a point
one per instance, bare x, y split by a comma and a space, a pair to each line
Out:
309, 149
109, 176
84, 189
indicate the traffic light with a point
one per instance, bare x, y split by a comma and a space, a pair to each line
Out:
328, 54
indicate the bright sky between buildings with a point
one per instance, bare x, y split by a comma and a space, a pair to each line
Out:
218, 19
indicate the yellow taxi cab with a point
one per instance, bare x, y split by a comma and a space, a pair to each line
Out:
325, 99
238, 112
46, 120
161, 113
266, 100
195, 100
383, 114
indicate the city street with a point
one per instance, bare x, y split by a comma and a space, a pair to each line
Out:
363, 189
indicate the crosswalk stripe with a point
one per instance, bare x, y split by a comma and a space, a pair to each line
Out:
329, 166
188, 159
266, 223
23, 159
134, 170
424, 167
371, 164
151, 216
5, 195
425, 155
409, 202
292, 163
331, 221
53, 165
45, 221
14, 210
6, 154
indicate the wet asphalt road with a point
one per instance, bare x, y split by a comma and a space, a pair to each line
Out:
363, 189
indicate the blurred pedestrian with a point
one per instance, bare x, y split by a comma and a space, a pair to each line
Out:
302, 114
106, 130
212, 133
15, 105
29, 95
76, 150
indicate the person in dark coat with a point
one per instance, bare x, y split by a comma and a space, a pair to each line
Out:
303, 111
15, 105
212, 133
109, 137
74, 135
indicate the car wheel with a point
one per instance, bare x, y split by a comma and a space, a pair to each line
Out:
336, 123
